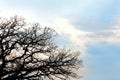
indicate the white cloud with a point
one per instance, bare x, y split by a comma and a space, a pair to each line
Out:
110, 35
76, 36
81, 38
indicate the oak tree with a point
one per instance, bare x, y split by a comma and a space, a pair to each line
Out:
28, 52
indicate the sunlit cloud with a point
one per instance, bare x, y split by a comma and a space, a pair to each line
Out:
83, 38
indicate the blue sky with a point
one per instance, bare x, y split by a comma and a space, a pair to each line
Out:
91, 26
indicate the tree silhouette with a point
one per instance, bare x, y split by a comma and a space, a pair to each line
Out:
28, 52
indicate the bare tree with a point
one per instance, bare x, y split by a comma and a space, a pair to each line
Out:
27, 52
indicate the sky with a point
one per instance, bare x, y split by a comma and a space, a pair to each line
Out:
91, 26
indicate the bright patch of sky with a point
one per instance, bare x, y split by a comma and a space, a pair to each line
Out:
92, 26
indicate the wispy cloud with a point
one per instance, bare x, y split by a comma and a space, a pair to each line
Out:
83, 38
